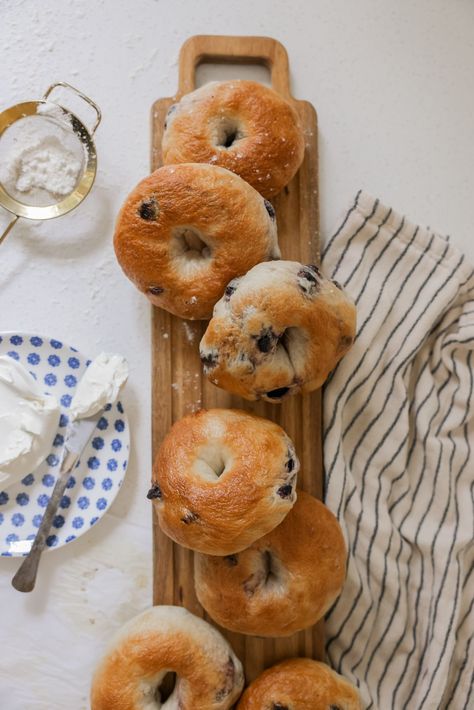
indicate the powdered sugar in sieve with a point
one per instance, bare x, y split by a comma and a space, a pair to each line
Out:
41, 158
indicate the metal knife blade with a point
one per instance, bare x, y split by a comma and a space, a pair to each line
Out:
78, 436
80, 432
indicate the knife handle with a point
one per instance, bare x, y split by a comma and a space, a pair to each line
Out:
25, 577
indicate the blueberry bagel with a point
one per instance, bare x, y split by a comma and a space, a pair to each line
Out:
240, 125
300, 684
281, 584
222, 479
187, 230
278, 330
164, 640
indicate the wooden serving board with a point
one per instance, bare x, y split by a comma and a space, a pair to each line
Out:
179, 387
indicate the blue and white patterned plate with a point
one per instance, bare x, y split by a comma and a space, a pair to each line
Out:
99, 474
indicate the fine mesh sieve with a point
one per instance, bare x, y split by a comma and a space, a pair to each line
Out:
31, 134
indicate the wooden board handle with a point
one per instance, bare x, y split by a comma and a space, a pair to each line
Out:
233, 50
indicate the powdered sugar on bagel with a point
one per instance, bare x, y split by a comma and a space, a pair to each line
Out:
161, 640
222, 479
284, 582
187, 230
300, 684
240, 125
278, 330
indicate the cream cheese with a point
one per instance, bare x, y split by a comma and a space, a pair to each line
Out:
99, 385
28, 422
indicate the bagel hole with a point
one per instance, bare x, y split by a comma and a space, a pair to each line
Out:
278, 393
165, 689
267, 572
274, 572
212, 461
228, 133
268, 566
294, 341
189, 243
229, 138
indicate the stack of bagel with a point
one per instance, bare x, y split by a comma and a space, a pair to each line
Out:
199, 238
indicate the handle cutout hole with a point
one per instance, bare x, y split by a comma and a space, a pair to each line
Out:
206, 72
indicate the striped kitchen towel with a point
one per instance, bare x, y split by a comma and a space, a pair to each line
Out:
398, 433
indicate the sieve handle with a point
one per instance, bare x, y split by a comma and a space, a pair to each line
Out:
10, 226
83, 96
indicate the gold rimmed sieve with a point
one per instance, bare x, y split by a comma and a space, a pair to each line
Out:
46, 108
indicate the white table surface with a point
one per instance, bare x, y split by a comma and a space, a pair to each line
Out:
392, 84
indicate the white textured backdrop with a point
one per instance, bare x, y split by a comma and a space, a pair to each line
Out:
392, 84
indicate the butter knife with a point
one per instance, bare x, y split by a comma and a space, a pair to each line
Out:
79, 434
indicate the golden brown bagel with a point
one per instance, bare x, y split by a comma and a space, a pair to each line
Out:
284, 582
223, 478
185, 231
240, 125
161, 640
278, 330
300, 684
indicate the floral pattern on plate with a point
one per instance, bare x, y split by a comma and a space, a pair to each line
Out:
97, 478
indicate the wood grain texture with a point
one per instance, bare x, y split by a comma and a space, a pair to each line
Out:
179, 386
